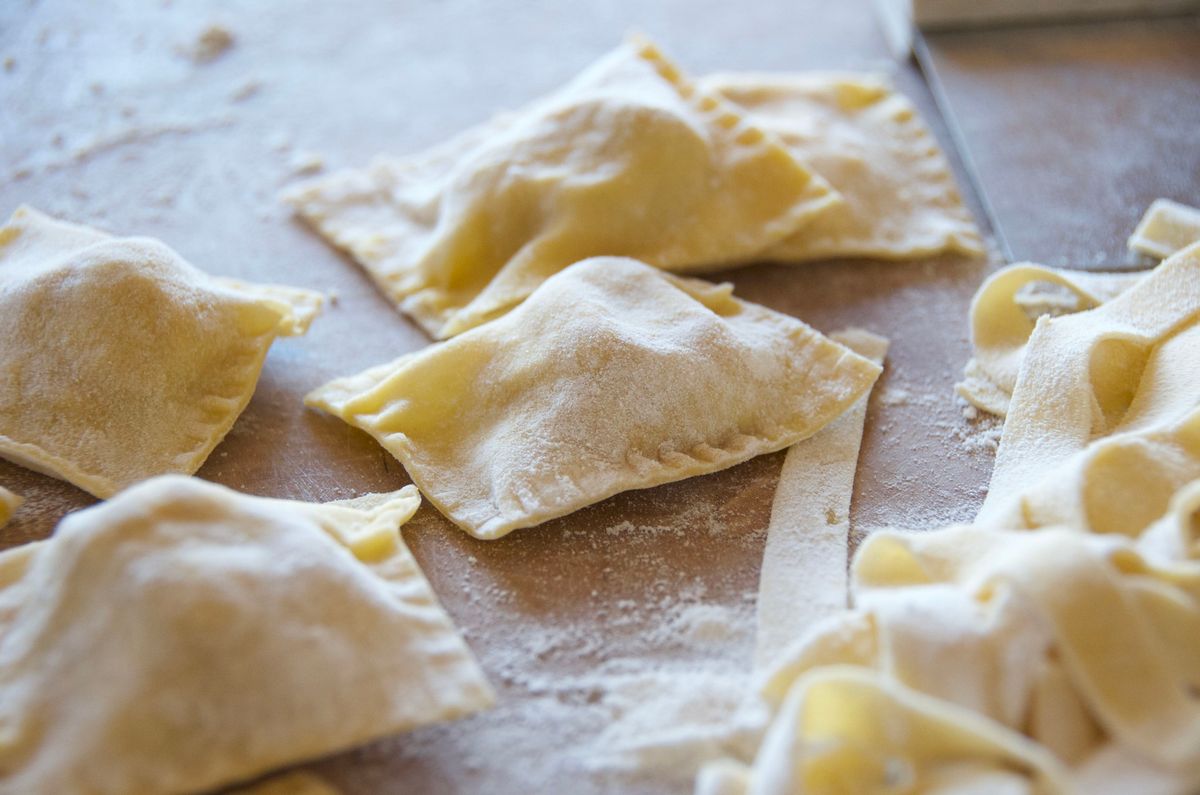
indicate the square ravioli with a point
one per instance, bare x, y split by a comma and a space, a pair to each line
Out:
181, 637
628, 159
120, 360
868, 141
612, 376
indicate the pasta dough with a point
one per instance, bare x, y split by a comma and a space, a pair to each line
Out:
994, 659
9, 503
120, 360
998, 661
1167, 227
612, 376
844, 730
1029, 656
1128, 366
803, 575
628, 159
869, 142
1004, 312
181, 636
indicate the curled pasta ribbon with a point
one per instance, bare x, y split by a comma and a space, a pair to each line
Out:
995, 661
987, 658
1126, 367
1119, 484
1004, 313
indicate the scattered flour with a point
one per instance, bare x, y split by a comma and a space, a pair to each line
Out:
304, 162
976, 432
279, 141
667, 723
895, 396
245, 90
651, 679
984, 435
213, 42
104, 142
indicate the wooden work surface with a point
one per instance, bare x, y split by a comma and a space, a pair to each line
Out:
103, 121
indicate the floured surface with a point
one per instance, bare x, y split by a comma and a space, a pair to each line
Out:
562, 617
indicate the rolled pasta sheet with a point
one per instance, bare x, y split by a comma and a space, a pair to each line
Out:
1004, 313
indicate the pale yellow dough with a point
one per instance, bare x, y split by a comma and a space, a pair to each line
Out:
612, 376
1053, 646
120, 360
803, 577
1004, 312
182, 636
870, 144
9, 503
1038, 656
629, 159
1129, 366
1049, 662
1166, 227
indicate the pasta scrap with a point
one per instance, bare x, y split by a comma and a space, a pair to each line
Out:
1167, 227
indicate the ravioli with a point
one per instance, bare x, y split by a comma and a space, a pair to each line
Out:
1004, 312
9, 503
868, 141
612, 376
181, 637
121, 361
629, 159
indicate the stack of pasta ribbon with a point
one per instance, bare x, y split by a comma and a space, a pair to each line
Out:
1052, 645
